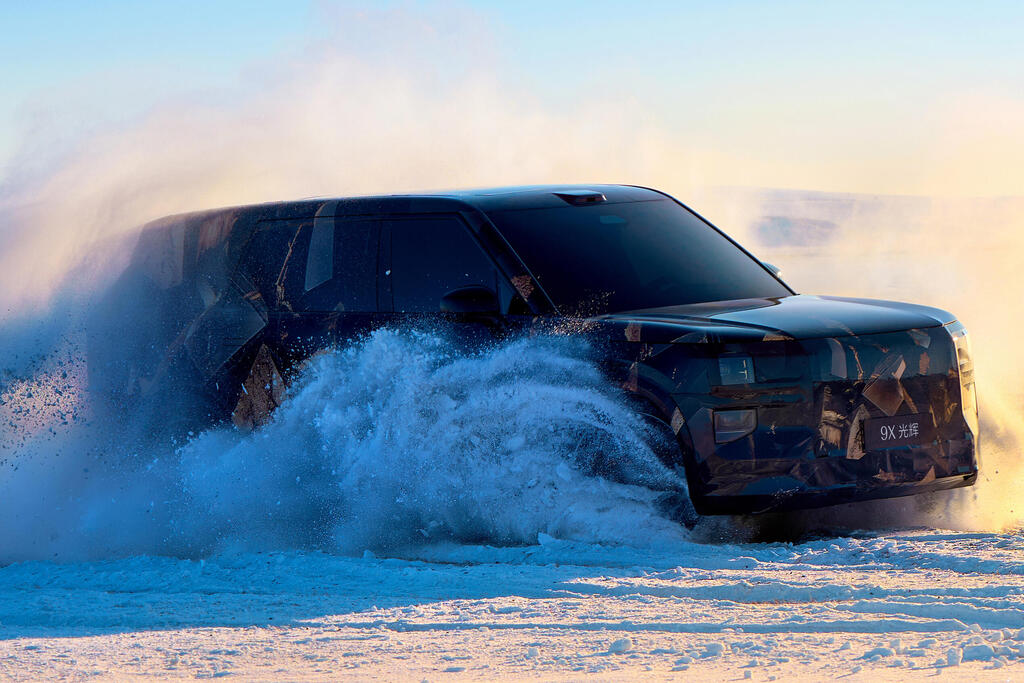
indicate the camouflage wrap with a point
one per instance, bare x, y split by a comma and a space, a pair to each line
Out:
218, 310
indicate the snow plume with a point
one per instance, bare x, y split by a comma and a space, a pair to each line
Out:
384, 103
394, 441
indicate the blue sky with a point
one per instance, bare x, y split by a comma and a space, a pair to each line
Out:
781, 81
121, 56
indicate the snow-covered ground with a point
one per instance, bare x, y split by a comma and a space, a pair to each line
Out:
888, 606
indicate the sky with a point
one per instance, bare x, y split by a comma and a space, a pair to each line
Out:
890, 98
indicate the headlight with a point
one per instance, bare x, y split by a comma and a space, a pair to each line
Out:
736, 369
965, 364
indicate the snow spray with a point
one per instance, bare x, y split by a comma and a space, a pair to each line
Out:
318, 123
396, 440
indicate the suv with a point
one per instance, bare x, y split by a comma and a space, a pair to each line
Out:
774, 400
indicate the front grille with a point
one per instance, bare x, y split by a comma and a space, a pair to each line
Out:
887, 375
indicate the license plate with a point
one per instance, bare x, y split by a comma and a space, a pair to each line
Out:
902, 430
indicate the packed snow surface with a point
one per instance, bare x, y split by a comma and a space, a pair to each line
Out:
887, 606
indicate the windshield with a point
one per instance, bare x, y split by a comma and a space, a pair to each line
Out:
605, 258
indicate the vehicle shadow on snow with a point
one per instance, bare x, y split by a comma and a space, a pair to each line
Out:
318, 589
313, 589
856, 520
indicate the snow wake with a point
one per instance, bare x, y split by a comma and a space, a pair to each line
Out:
394, 441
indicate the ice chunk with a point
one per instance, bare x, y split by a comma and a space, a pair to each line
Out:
978, 653
620, 645
713, 649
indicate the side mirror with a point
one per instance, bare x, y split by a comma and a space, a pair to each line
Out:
776, 271
470, 299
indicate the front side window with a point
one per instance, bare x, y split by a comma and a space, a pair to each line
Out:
431, 256
341, 268
605, 258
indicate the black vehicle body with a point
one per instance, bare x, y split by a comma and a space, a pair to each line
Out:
775, 400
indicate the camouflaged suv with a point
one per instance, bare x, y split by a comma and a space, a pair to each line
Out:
773, 399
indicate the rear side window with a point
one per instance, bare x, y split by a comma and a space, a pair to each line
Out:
431, 256
307, 266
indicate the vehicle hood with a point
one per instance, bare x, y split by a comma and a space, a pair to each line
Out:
799, 316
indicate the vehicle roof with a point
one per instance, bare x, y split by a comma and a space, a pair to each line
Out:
484, 199
521, 196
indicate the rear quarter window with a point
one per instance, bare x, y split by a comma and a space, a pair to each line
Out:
274, 260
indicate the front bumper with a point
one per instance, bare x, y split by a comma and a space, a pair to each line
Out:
791, 493
808, 448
